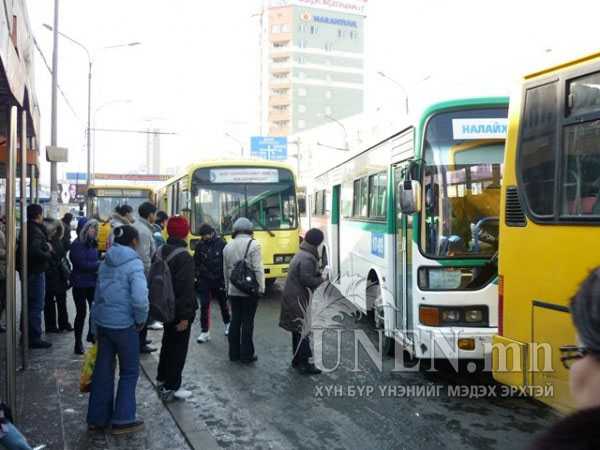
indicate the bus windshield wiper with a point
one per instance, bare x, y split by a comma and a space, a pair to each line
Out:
264, 227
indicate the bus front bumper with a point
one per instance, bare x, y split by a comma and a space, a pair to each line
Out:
276, 271
454, 343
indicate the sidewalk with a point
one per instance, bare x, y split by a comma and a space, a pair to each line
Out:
52, 411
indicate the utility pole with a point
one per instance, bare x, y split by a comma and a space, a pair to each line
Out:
54, 125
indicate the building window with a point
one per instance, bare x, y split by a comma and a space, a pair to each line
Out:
303, 28
301, 108
328, 94
328, 47
340, 33
276, 28
301, 124
280, 44
353, 35
302, 44
314, 29
328, 110
302, 75
285, 28
300, 59
302, 92
327, 77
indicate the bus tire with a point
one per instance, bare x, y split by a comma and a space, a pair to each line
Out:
376, 315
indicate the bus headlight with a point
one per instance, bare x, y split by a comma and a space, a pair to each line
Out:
282, 259
474, 315
450, 315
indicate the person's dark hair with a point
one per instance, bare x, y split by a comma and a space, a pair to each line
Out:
34, 211
67, 218
161, 217
123, 210
146, 209
205, 229
125, 235
585, 310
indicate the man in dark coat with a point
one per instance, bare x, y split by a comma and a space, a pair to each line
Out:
57, 281
210, 281
39, 253
66, 223
176, 335
303, 278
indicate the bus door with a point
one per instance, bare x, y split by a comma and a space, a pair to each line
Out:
335, 231
402, 243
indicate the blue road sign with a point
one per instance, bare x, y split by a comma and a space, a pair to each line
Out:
267, 147
76, 176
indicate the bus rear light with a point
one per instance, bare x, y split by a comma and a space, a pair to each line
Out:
500, 305
429, 316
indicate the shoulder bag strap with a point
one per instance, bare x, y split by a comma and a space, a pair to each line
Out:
248, 249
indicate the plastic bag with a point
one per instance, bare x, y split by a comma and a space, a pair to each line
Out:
87, 370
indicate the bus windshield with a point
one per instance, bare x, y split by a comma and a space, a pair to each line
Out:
104, 201
463, 164
265, 196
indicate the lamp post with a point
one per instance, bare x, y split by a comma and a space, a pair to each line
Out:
401, 86
333, 119
89, 109
233, 138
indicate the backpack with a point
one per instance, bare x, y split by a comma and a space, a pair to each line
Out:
243, 277
160, 287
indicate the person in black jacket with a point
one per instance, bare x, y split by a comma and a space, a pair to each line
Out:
39, 253
176, 335
66, 223
57, 281
210, 282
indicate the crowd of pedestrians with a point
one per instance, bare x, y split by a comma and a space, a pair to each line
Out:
117, 288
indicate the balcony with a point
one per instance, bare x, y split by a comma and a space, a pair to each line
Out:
276, 131
279, 100
279, 116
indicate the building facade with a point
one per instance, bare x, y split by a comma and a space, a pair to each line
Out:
315, 66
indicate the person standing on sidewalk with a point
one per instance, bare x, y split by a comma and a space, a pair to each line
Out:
57, 281
176, 336
119, 311
39, 253
66, 223
85, 259
302, 280
146, 249
210, 281
243, 306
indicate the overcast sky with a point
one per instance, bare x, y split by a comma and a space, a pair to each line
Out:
196, 70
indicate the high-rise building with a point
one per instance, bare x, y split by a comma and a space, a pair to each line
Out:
315, 63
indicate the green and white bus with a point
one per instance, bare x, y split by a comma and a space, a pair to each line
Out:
412, 230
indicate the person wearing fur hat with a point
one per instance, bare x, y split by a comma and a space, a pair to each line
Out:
302, 280
210, 282
85, 259
57, 281
243, 306
176, 335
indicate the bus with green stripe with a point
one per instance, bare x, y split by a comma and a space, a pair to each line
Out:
412, 230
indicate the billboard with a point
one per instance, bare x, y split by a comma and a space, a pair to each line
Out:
358, 7
267, 147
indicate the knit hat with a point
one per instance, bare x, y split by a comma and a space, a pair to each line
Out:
205, 229
314, 236
242, 224
178, 227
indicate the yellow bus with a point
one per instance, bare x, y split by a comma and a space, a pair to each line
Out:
549, 224
101, 201
219, 192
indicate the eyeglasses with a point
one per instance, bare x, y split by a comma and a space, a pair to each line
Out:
569, 354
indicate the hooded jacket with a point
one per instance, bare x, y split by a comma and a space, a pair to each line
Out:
303, 278
121, 298
208, 257
146, 247
85, 259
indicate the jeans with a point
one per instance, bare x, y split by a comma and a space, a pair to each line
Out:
241, 331
300, 349
13, 439
172, 355
56, 301
80, 297
206, 294
103, 409
36, 291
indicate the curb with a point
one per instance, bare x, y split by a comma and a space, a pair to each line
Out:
196, 434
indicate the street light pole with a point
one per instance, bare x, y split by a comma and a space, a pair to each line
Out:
333, 119
233, 138
88, 131
53, 118
401, 86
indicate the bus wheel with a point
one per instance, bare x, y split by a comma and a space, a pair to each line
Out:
375, 299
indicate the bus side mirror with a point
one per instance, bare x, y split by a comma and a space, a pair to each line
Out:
409, 196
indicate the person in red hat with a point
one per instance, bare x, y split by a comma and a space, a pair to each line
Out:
176, 335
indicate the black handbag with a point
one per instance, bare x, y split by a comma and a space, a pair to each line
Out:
243, 277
